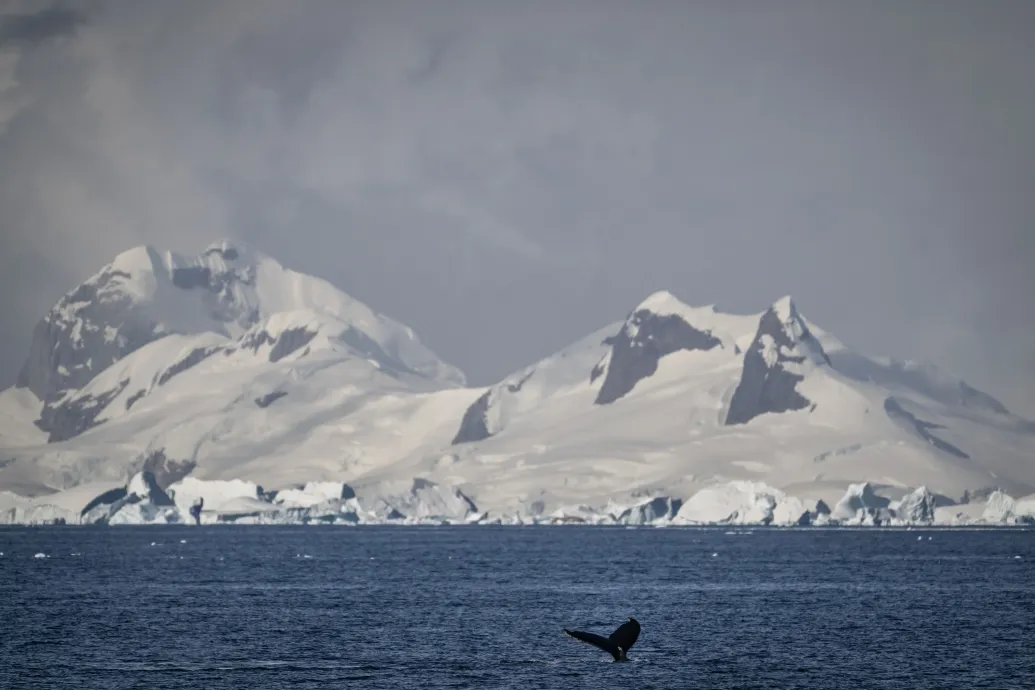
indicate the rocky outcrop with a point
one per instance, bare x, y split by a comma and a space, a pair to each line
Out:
69, 418
268, 399
194, 357
290, 340
164, 470
474, 425
88, 330
776, 362
640, 345
893, 408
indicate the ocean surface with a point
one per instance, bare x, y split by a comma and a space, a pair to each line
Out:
483, 607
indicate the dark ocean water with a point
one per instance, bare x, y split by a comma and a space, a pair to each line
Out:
483, 607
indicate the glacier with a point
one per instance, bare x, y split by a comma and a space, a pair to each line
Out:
268, 396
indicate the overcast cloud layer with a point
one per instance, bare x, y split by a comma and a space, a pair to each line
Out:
505, 177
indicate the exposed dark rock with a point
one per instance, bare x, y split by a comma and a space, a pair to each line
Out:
101, 322
195, 356
87, 331
637, 348
766, 388
896, 412
516, 386
254, 340
264, 495
288, 341
135, 397
166, 471
228, 253
105, 499
192, 277
474, 426
77, 414
155, 493
218, 289
268, 399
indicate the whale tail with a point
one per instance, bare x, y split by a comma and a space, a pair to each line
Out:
617, 644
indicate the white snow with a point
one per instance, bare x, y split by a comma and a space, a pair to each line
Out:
63, 506
915, 507
310, 494
742, 503
859, 503
218, 495
364, 404
19, 408
1000, 507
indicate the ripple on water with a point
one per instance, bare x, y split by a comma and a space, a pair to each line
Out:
470, 607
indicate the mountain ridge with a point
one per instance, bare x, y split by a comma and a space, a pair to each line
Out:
228, 366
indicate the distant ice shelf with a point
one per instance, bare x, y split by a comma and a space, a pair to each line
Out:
422, 502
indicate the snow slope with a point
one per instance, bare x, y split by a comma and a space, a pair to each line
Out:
250, 375
229, 290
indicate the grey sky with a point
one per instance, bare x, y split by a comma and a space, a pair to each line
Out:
506, 177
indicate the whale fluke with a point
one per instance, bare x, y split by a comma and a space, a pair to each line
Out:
617, 644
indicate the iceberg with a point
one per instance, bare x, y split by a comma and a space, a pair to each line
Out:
916, 507
745, 503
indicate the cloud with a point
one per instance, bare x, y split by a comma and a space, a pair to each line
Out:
24, 31
36, 27
505, 177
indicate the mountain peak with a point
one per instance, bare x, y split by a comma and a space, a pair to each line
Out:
659, 326
781, 356
145, 294
661, 302
786, 309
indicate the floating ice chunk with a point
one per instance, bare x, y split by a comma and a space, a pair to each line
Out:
313, 493
41, 555
999, 508
862, 506
649, 511
217, 493
416, 500
743, 503
916, 507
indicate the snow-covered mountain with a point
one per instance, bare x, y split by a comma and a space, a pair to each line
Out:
228, 378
